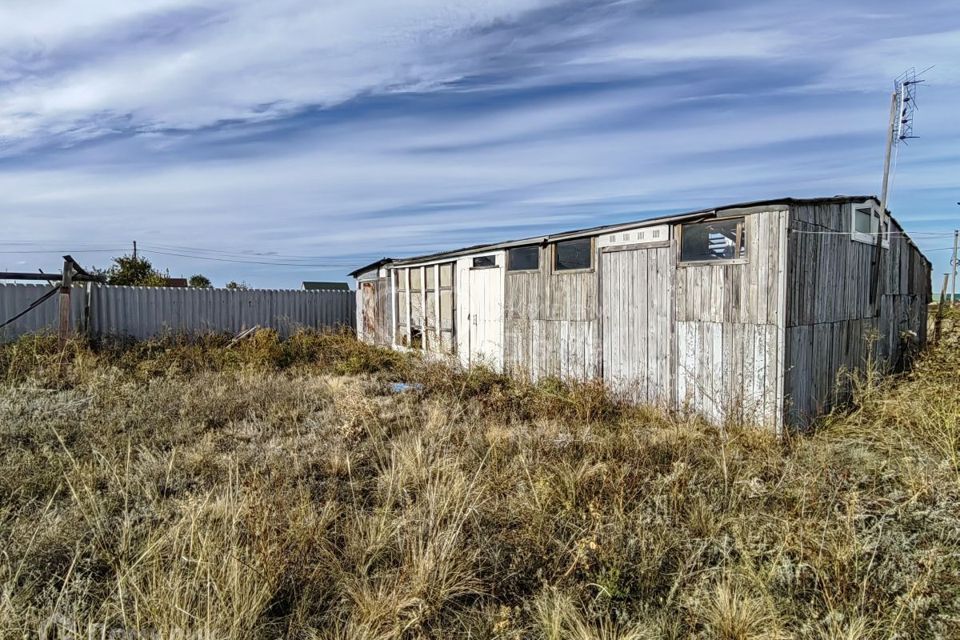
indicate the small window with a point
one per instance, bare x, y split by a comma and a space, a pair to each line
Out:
863, 221
866, 221
714, 240
523, 258
416, 279
484, 262
573, 254
446, 275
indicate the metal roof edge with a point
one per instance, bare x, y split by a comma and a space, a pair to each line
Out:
367, 267
624, 226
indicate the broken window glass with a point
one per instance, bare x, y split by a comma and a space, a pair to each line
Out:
713, 240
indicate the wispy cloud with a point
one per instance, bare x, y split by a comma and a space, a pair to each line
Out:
352, 130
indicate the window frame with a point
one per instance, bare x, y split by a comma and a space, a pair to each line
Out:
745, 259
535, 269
553, 256
868, 238
492, 256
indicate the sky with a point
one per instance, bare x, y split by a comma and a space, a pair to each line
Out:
290, 140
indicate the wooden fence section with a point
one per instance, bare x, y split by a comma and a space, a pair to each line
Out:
144, 312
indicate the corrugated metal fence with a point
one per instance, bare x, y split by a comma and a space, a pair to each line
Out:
142, 312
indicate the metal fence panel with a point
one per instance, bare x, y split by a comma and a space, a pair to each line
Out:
143, 312
15, 298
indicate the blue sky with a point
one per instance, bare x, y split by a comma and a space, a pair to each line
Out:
317, 136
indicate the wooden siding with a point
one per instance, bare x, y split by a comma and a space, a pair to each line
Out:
729, 329
832, 327
637, 322
552, 326
374, 311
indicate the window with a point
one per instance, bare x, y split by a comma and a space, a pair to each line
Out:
866, 220
523, 258
484, 262
424, 315
573, 254
863, 221
712, 241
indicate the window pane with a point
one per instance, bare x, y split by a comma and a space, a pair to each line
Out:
573, 254
484, 261
401, 276
446, 309
446, 275
714, 240
520, 258
416, 279
431, 272
862, 220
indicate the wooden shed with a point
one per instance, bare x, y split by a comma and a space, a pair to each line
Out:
746, 312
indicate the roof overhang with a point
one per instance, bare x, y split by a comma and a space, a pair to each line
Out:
741, 208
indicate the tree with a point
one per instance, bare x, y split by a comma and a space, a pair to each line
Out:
136, 272
200, 281
139, 272
239, 286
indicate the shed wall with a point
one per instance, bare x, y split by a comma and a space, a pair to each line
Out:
729, 328
552, 326
832, 326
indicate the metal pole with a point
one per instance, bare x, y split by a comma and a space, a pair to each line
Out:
878, 253
886, 161
953, 288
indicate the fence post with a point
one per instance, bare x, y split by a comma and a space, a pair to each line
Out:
66, 284
938, 323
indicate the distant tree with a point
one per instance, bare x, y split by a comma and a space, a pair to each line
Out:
200, 281
137, 272
239, 286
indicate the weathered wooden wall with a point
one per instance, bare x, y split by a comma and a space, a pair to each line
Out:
728, 315
832, 327
637, 308
552, 326
375, 308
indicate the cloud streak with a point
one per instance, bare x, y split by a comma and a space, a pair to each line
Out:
347, 131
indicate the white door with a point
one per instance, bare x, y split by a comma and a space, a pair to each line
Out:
485, 315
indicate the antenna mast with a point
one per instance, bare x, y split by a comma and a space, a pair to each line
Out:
903, 102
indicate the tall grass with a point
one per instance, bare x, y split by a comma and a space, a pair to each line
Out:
191, 489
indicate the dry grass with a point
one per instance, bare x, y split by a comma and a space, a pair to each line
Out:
179, 489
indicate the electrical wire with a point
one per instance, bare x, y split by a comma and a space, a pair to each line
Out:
272, 264
62, 251
239, 254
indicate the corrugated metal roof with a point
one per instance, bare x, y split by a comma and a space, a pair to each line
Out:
610, 228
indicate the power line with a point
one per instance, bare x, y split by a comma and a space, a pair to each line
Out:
241, 254
272, 264
61, 251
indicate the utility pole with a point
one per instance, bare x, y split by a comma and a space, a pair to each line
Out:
134, 249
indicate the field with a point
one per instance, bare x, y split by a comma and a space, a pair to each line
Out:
284, 489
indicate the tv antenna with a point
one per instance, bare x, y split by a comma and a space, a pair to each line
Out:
903, 104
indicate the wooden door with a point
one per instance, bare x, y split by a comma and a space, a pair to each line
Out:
636, 299
485, 319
